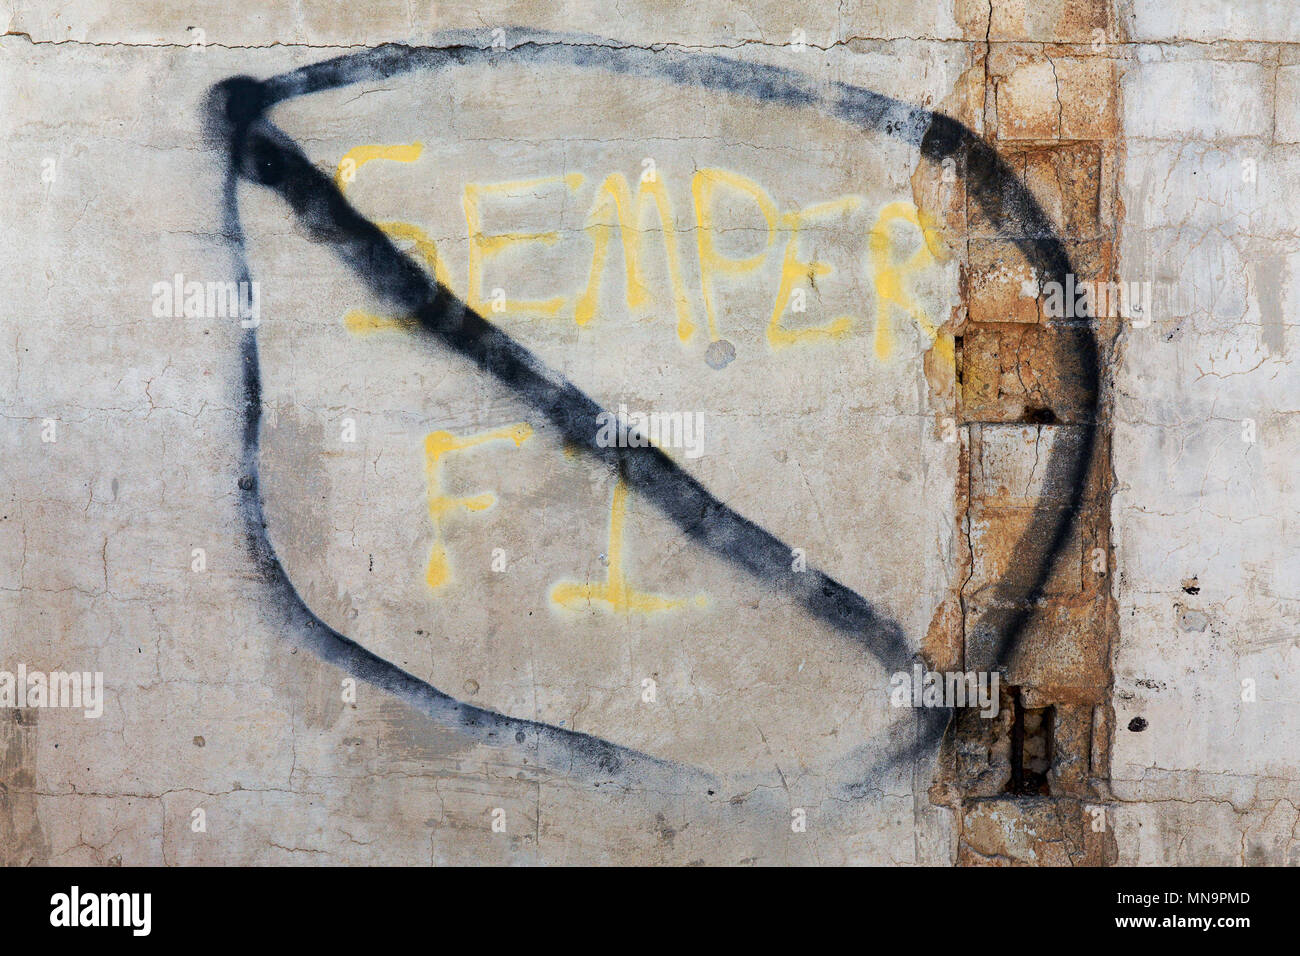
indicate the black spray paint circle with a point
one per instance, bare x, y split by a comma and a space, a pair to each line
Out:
260, 153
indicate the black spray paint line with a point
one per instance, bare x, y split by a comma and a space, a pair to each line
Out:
262, 154
275, 162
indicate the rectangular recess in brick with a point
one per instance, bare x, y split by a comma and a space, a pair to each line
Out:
1031, 748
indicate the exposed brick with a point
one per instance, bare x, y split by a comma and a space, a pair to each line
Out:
1031, 832
1067, 182
1088, 97
996, 283
1066, 21
1013, 372
1026, 100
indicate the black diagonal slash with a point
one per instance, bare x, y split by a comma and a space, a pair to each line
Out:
261, 153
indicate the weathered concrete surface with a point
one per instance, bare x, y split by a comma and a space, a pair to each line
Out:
1203, 514
895, 432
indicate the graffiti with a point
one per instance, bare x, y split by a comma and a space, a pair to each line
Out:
614, 193
890, 275
436, 446
652, 195
616, 591
483, 246
260, 153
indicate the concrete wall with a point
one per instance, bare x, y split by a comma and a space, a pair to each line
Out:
362, 577
1205, 440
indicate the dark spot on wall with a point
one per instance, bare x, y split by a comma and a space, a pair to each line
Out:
720, 354
666, 833
1190, 619
1137, 725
